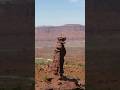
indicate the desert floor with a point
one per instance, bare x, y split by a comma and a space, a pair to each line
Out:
74, 65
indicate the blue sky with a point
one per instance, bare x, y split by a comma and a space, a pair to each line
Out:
59, 12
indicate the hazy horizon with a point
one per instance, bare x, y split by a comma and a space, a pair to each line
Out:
57, 25
59, 12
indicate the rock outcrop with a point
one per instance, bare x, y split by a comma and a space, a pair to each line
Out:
56, 80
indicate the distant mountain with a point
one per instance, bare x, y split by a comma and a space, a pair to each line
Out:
73, 32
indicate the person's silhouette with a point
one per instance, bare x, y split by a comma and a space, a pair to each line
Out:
59, 53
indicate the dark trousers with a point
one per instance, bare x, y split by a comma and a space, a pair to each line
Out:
61, 71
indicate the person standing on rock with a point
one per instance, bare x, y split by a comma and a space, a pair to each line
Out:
62, 55
58, 59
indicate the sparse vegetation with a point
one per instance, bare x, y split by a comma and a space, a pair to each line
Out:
74, 65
